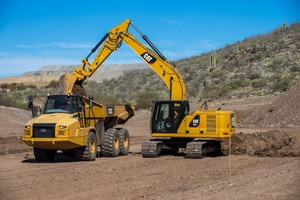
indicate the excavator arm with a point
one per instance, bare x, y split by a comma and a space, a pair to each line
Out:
111, 42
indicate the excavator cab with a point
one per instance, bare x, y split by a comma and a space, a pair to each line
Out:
167, 116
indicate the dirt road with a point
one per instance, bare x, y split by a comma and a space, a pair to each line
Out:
247, 174
133, 177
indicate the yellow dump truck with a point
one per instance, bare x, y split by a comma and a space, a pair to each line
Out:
78, 126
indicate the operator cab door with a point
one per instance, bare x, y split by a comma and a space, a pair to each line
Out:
77, 109
167, 116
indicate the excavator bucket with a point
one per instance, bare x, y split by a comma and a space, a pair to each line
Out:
67, 82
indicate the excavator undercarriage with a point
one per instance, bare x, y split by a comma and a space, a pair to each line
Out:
191, 149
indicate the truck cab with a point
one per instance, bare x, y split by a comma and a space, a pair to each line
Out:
63, 104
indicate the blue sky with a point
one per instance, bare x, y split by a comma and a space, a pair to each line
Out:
34, 33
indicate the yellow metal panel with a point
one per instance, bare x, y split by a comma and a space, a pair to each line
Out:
213, 124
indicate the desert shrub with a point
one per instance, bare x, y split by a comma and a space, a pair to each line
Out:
280, 83
145, 99
53, 84
12, 101
215, 92
258, 84
238, 82
217, 74
253, 76
107, 100
295, 69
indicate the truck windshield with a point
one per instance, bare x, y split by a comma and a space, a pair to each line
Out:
58, 104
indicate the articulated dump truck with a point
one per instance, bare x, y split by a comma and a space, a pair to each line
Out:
78, 126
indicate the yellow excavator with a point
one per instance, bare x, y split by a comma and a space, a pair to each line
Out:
173, 128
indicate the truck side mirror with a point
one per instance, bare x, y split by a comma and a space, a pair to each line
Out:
91, 103
35, 110
30, 102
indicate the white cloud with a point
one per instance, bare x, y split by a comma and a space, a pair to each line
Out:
63, 45
85, 45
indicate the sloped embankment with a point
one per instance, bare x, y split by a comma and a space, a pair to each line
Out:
282, 113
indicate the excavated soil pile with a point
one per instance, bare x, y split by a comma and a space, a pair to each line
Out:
273, 143
12, 144
78, 89
282, 113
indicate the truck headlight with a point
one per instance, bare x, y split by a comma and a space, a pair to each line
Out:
62, 127
27, 127
27, 130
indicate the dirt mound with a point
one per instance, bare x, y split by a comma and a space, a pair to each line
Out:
12, 144
78, 89
273, 143
282, 113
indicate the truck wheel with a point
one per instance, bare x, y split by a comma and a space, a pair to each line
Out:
44, 154
89, 152
111, 145
124, 141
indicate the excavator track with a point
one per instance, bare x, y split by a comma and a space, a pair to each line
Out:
151, 149
192, 149
200, 148
195, 149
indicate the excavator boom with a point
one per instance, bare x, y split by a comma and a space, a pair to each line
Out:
70, 83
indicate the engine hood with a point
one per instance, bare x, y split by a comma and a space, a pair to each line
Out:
55, 118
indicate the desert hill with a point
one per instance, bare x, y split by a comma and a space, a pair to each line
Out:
48, 73
267, 64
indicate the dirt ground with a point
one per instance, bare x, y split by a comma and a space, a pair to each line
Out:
263, 164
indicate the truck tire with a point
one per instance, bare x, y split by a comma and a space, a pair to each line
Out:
44, 154
88, 152
124, 141
111, 145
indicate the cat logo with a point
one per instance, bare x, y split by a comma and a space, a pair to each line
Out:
195, 121
110, 110
148, 58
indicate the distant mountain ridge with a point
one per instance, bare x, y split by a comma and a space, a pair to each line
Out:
53, 72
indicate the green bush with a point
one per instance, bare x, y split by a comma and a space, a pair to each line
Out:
53, 84
295, 69
145, 99
258, 84
12, 101
280, 83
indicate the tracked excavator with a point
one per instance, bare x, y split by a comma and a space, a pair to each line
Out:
173, 128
